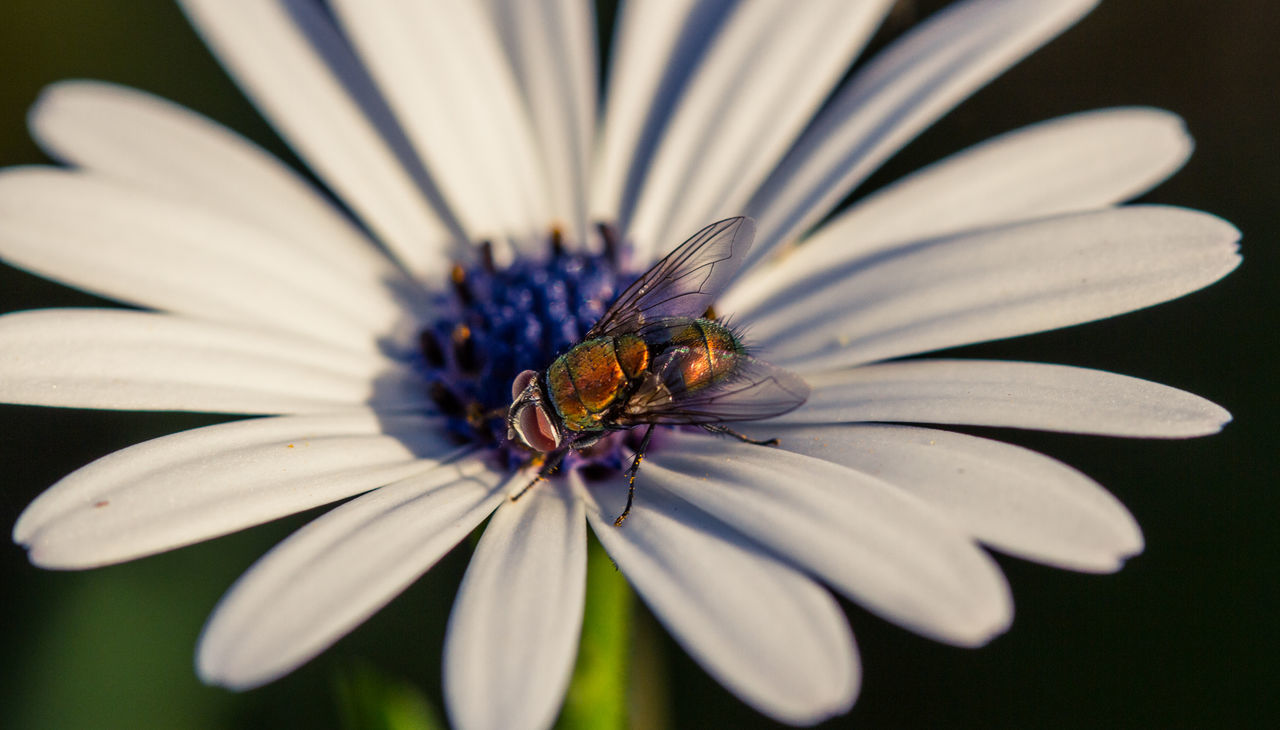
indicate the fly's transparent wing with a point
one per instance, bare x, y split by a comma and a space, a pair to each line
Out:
756, 390
684, 283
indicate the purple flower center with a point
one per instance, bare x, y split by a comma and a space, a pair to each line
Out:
495, 322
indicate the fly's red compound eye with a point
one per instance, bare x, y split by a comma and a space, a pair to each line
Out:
521, 382
535, 429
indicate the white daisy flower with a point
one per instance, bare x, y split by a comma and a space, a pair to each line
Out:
381, 338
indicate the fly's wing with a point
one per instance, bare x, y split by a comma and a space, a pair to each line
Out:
755, 391
684, 283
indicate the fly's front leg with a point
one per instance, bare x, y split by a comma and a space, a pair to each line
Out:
721, 428
548, 468
631, 472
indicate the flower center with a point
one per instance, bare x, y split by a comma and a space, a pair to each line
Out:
495, 322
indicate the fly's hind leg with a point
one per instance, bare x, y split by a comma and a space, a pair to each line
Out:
548, 468
631, 473
721, 428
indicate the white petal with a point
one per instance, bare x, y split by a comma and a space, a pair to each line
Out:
1078, 162
180, 489
1008, 394
442, 70
513, 631
655, 48
991, 284
883, 548
1015, 500
306, 90
113, 239
769, 634
551, 46
98, 358
760, 82
331, 575
894, 97
166, 149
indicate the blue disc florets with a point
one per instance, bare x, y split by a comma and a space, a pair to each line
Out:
498, 321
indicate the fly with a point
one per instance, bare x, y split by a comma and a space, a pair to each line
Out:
654, 358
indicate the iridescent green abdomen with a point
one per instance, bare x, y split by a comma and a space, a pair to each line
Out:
710, 353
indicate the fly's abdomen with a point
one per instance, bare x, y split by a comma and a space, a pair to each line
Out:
588, 380
710, 354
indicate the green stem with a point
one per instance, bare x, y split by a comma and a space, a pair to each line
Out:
597, 698
370, 699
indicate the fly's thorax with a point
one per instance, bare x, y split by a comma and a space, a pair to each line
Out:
588, 380
633, 355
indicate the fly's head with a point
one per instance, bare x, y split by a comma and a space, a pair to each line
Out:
531, 421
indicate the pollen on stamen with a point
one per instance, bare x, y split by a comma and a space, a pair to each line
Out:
465, 353
458, 277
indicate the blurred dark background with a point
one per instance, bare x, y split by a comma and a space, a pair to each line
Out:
1184, 636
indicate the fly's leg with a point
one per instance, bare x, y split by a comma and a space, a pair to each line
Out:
631, 472
721, 428
548, 468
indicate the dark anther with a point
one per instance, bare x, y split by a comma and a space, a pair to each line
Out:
557, 242
431, 349
609, 235
458, 276
445, 399
486, 256
465, 353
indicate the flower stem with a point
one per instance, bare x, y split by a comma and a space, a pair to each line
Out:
597, 698
370, 699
